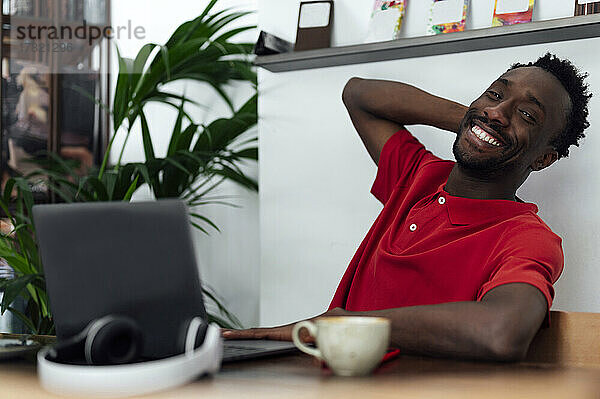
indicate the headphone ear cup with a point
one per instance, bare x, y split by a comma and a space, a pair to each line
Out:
201, 333
113, 340
192, 334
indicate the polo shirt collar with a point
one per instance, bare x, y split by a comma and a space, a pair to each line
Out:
465, 211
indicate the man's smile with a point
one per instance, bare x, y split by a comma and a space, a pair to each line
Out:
484, 136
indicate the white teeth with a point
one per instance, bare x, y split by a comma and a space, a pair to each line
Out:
481, 134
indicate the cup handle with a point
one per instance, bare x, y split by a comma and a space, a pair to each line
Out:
312, 330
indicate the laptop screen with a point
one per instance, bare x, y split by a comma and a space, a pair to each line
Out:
132, 259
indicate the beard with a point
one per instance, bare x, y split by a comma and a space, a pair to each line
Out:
474, 159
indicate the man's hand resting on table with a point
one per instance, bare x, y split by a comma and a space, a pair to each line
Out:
499, 327
282, 333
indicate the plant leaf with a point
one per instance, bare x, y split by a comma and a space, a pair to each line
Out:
206, 220
122, 92
98, 187
176, 129
196, 225
237, 177
138, 65
14, 288
148, 148
249, 153
131, 190
26, 320
209, 292
185, 138
8, 189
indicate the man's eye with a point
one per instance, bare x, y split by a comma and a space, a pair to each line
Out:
494, 95
528, 115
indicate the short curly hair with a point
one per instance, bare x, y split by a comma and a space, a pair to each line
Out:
574, 83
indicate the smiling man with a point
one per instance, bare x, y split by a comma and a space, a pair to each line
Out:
460, 265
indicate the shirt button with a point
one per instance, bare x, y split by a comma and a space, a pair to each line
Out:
412, 227
442, 200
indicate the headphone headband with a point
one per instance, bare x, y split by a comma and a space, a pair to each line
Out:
138, 378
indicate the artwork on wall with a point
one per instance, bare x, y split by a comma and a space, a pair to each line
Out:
510, 12
584, 7
447, 16
386, 20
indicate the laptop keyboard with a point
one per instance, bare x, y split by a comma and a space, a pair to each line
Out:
252, 349
235, 351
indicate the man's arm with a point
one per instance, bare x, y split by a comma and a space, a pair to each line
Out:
500, 327
379, 108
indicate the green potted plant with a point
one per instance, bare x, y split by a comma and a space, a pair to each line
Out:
199, 157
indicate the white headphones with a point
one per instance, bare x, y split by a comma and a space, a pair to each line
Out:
109, 371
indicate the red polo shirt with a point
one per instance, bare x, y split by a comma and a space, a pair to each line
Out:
428, 247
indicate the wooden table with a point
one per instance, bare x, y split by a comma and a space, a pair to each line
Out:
298, 376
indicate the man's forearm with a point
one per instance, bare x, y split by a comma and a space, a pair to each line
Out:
456, 329
500, 327
470, 330
403, 104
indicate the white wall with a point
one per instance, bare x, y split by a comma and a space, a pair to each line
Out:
228, 261
315, 176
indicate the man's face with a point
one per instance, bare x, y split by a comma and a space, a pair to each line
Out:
508, 128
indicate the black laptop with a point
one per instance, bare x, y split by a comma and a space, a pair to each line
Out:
135, 259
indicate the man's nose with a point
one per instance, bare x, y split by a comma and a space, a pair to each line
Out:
498, 113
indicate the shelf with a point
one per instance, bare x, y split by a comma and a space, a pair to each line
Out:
556, 30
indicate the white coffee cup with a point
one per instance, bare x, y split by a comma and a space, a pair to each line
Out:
351, 346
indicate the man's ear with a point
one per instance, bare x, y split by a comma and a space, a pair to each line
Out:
543, 161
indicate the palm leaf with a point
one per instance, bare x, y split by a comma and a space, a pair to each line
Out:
8, 189
139, 65
185, 31
248, 153
147, 139
205, 219
229, 34
12, 289
209, 292
131, 190
122, 91
237, 177
176, 129
24, 319
184, 140
223, 21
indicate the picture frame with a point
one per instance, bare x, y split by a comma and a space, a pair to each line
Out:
447, 16
511, 12
386, 20
315, 20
